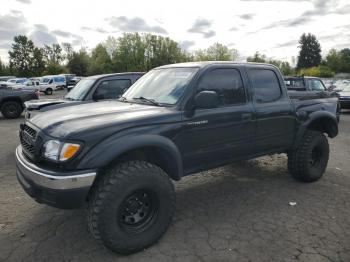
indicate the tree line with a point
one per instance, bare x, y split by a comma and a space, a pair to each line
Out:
130, 52
310, 61
142, 52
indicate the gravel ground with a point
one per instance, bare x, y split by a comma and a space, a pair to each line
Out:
239, 212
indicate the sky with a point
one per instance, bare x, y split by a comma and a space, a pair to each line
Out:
271, 27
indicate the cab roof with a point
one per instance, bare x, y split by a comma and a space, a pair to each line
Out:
203, 64
114, 74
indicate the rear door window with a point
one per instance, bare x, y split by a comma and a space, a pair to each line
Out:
265, 84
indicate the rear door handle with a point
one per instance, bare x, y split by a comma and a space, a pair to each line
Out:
247, 116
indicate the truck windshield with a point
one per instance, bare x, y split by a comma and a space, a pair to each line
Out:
80, 90
162, 86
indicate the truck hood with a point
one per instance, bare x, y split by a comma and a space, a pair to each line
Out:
64, 121
39, 104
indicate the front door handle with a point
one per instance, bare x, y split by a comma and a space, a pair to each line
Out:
247, 116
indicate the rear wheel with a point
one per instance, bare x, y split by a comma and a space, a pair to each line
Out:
11, 109
131, 206
48, 91
308, 161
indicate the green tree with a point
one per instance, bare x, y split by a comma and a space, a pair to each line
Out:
21, 56
310, 51
67, 51
257, 58
345, 60
318, 71
111, 45
160, 51
53, 53
286, 69
333, 60
38, 63
4, 69
78, 62
130, 55
216, 52
53, 56
283, 66
100, 61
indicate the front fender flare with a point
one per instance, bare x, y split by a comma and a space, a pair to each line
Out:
108, 150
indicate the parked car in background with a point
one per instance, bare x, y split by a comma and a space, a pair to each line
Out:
306, 87
12, 101
73, 82
17, 81
69, 78
89, 89
343, 92
56, 82
37, 79
47, 89
28, 85
5, 78
329, 83
311, 84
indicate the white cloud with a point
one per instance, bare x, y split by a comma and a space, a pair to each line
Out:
269, 26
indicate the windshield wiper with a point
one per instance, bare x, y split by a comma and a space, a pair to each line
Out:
152, 101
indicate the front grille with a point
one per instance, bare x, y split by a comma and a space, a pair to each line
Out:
27, 147
28, 137
30, 131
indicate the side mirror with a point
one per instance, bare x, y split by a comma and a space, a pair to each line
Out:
206, 100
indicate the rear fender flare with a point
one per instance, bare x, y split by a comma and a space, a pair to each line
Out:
328, 120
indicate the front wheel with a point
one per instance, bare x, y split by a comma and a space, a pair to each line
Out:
308, 161
11, 109
48, 91
131, 206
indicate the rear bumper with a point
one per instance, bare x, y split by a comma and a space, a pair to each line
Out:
63, 190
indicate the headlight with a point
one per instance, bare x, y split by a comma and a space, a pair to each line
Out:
56, 150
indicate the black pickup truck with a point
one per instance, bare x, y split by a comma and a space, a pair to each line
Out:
12, 101
89, 89
119, 157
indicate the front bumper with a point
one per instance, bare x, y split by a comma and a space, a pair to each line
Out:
58, 189
344, 104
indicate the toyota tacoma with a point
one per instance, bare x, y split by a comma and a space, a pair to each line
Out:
120, 157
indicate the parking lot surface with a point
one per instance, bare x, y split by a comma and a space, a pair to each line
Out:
249, 211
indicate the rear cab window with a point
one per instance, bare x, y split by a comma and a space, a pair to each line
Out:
295, 84
265, 84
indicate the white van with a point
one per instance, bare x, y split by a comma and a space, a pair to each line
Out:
48, 84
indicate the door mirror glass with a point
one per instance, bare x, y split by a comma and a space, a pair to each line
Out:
206, 100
